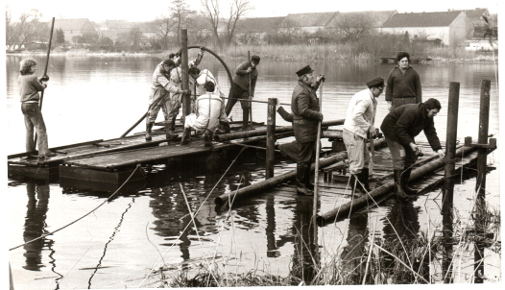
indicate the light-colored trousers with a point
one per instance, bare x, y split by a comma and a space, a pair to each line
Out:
358, 154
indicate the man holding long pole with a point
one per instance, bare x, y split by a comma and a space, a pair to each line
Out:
359, 126
306, 117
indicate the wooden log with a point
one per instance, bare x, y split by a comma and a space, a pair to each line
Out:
270, 154
262, 186
263, 131
381, 192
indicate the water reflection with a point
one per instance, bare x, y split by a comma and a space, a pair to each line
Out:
354, 253
306, 259
35, 224
402, 240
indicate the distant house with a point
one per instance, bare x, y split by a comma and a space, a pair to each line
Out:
74, 27
113, 29
450, 28
308, 22
257, 27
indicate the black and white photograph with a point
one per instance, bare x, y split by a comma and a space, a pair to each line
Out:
249, 143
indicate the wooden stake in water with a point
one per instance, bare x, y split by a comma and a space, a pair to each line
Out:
186, 101
270, 154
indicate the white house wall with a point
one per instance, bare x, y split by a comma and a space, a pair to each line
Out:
429, 32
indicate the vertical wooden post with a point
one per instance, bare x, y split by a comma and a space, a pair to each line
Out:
186, 98
270, 155
245, 119
481, 177
447, 203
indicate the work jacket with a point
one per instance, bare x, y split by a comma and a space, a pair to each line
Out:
197, 86
404, 123
209, 109
306, 112
241, 78
360, 117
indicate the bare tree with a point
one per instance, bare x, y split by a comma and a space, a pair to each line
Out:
354, 25
180, 15
28, 28
163, 27
212, 11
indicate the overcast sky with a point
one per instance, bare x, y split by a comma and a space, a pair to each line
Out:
145, 10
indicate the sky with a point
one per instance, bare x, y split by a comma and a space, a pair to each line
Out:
145, 10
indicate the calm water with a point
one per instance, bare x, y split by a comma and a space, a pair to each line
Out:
116, 247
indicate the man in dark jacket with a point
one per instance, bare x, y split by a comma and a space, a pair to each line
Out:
240, 86
306, 117
400, 127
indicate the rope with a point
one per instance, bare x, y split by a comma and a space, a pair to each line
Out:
195, 214
71, 223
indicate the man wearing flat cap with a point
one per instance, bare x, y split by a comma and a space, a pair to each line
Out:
240, 86
306, 117
358, 127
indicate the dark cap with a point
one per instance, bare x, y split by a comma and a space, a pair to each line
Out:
305, 70
255, 58
377, 82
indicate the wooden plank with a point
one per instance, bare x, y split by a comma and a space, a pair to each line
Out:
85, 178
20, 172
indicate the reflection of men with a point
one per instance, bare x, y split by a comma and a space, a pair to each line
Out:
209, 112
359, 126
400, 127
240, 86
306, 117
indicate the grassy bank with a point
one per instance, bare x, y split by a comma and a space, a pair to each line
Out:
357, 51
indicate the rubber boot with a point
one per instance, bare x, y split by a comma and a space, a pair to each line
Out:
365, 174
169, 131
207, 137
301, 188
149, 127
308, 184
405, 183
185, 136
399, 188
245, 116
226, 127
355, 183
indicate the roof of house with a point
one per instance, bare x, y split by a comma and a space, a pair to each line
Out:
308, 19
423, 19
378, 17
259, 25
72, 24
475, 14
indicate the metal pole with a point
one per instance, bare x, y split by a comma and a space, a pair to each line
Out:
270, 155
186, 101
447, 203
481, 177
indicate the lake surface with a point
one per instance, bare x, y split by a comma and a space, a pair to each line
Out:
120, 244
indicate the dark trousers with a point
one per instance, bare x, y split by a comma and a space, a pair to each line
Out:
236, 93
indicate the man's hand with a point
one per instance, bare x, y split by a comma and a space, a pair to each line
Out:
249, 69
441, 153
185, 92
414, 148
390, 104
320, 78
44, 78
321, 117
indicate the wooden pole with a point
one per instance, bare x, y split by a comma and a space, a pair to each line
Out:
316, 172
447, 203
270, 154
47, 59
186, 98
245, 120
481, 177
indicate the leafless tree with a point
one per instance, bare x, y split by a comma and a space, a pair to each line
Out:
163, 26
28, 28
238, 9
354, 25
180, 15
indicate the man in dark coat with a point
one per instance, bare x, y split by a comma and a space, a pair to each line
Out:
306, 117
246, 74
400, 127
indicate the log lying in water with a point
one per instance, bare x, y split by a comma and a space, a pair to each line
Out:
264, 185
263, 131
381, 192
